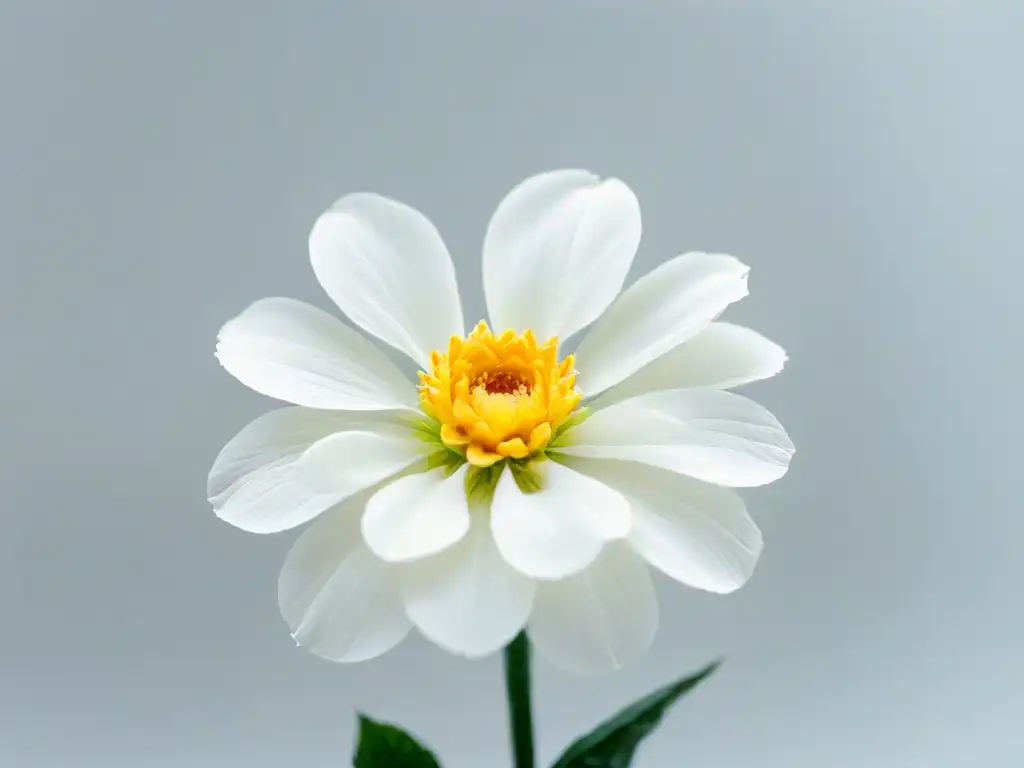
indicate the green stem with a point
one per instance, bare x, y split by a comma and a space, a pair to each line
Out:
517, 688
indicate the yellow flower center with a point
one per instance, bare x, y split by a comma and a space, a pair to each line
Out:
498, 397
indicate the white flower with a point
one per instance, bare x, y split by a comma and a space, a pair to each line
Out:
511, 488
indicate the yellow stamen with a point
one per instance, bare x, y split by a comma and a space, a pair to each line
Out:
499, 397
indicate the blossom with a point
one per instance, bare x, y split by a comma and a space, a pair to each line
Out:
511, 487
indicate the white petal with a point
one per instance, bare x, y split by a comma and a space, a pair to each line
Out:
712, 435
722, 356
468, 599
660, 311
252, 483
559, 529
347, 462
599, 620
387, 267
341, 601
417, 515
557, 251
293, 351
696, 533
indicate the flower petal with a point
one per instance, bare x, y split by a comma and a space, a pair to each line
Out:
660, 311
715, 436
599, 620
347, 462
293, 351
417, 515
468, 599
559, 529
722, 356
557, 251
341, 601
696, 533
385, 265
252, 483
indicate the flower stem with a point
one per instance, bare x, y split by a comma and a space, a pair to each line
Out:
517, 688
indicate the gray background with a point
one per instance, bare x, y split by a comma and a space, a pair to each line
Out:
160, 166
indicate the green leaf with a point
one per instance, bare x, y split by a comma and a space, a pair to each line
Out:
388, 746
613, 743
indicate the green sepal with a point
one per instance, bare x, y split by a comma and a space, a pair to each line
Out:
578, 417
450, 460
525, 473
426, 429
382, 745
614, 742
481, 482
